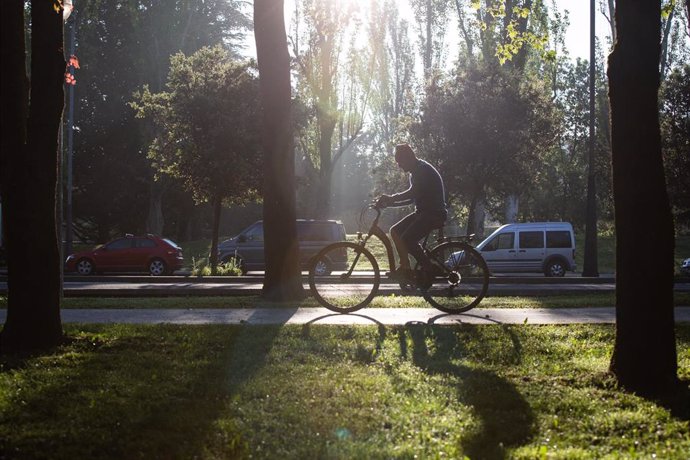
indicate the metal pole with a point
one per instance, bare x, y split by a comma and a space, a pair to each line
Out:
590, 263
70, 144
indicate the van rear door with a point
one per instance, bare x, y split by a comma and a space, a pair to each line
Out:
530, 255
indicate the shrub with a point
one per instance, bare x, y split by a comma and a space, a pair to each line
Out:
202, 267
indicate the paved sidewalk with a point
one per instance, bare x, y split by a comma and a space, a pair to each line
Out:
381, 316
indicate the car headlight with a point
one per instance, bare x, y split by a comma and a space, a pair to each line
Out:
69, 257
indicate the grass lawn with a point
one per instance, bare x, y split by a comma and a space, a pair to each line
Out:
315, 391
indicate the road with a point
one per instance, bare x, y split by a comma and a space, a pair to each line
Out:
144, 286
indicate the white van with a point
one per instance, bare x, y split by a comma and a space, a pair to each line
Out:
547, 247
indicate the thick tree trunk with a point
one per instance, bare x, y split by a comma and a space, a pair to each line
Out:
283, 277
34, 269
644, 356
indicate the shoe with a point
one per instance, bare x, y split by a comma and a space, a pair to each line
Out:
434, 270
401, 274
424, 279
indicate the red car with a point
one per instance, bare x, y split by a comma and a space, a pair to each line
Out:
158, 256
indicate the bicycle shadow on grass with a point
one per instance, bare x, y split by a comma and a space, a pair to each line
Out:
505, 418
365, 355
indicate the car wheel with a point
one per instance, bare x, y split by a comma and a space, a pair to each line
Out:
85, 267
322, 268
157, 267
554, 268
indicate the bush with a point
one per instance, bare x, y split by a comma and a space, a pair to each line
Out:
202, 267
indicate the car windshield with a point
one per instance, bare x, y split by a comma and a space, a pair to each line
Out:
490, 237
172, 243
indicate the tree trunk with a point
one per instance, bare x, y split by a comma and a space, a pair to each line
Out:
283, 280
511, 204
154, 220
644, 356
217, 203
475, 219
34, 270
663, 64
323, 197
591, 260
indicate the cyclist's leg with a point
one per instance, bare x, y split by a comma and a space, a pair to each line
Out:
420, 227
397, 231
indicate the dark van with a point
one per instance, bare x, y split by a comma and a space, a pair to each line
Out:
247, 248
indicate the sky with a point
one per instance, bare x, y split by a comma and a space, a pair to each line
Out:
577, 35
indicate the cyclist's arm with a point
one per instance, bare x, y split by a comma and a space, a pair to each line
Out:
402, 199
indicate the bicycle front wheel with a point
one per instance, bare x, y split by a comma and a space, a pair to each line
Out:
463, 279
353, 280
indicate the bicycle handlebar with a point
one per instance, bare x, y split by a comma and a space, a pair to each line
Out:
376, 208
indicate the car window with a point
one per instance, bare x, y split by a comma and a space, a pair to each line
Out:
531, 240
558, 239
314, 232
501, 241
144, 243
172, 243
255, 233
122, 243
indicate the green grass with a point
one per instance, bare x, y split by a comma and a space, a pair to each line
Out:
606, 252
388, 301
315, 391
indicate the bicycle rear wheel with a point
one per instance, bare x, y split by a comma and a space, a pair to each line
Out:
464, 279
353, 281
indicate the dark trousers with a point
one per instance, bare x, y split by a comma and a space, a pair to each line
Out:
410, 230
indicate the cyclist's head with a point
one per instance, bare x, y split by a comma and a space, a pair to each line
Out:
405, 157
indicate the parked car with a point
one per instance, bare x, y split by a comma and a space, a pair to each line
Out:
247, 248
685, 267
150, 253
546, 247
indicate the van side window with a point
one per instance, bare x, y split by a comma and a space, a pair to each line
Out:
313, 232
501, 241
531, 240
558, 239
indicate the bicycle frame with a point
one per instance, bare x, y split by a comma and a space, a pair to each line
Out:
375, 230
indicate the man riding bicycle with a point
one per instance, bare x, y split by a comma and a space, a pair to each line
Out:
426, 191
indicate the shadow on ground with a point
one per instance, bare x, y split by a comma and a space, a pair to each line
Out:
129, 393
505, 419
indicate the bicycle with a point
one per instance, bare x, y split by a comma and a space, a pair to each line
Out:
345, 276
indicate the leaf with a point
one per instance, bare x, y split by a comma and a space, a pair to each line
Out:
73, 61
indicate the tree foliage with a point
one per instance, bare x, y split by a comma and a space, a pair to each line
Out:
334, 83
675, 135
486, 131
208, 127
122, 46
